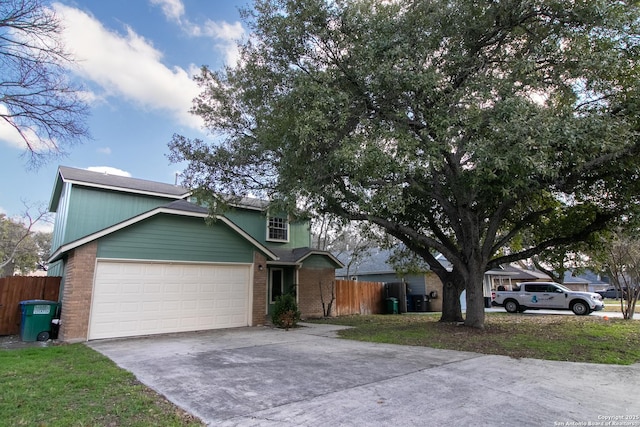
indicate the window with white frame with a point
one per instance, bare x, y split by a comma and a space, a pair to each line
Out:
278, 229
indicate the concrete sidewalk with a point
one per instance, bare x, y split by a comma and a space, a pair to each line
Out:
306, 377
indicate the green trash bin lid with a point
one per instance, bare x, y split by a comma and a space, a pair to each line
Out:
39, 306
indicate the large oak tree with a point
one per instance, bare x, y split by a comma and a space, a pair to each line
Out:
456, 126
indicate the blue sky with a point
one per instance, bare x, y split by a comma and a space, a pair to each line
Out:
136, 60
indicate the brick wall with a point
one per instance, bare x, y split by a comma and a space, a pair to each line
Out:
309, 301
259, 308
432, 283
76, 295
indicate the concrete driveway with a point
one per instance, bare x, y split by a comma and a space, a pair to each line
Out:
307, 377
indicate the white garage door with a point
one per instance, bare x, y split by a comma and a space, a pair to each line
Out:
151, 298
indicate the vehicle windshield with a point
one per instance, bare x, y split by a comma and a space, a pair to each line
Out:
564, 288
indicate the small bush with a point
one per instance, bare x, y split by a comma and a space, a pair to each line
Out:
285, 312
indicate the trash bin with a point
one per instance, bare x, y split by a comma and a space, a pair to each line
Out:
392, 305
36, 317
421, 302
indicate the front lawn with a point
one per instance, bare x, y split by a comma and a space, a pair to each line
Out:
591, 339
73, 385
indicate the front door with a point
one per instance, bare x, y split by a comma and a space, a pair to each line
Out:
276, 285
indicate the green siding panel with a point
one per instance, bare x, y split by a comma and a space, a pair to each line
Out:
60, 225
255, 224
318, 261
89, 210
55, 269
170, 237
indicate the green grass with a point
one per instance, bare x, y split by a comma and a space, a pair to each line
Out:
73, 385
590, 339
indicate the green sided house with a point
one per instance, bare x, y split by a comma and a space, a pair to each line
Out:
137, 258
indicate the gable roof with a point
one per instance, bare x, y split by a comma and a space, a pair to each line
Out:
113, 182
589, 277
179, 207
298, 255
519, 273
249, 203
370, 261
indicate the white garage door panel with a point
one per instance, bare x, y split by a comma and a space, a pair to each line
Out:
150, 298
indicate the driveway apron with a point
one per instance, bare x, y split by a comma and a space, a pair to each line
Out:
308, 377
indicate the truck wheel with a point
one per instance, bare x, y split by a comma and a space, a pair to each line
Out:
511, 306
580, 308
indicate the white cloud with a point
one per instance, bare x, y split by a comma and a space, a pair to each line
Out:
224, 34
43, 227
8, 133
172, 9
127, 66
11, 136
108, 170
224, 30
104, 150
91, 98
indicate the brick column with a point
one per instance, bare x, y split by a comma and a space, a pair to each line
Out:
76, 295
259, 309
309, 299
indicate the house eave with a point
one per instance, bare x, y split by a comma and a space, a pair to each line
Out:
129, 190
322, 253
287, 263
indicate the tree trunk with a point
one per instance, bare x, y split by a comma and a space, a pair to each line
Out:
475, 301
454, 282
451, 290
451, 308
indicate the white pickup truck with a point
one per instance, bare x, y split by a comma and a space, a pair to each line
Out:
548, 296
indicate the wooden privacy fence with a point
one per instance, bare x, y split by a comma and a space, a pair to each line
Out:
14, 289
354, 297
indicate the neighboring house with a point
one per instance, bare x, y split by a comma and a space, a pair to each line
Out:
587, 281
374, 266
137, 258
508, 275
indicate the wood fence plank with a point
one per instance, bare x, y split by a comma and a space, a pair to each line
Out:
357, 297
14, 289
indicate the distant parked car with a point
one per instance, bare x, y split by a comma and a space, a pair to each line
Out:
613, 293
549, 296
